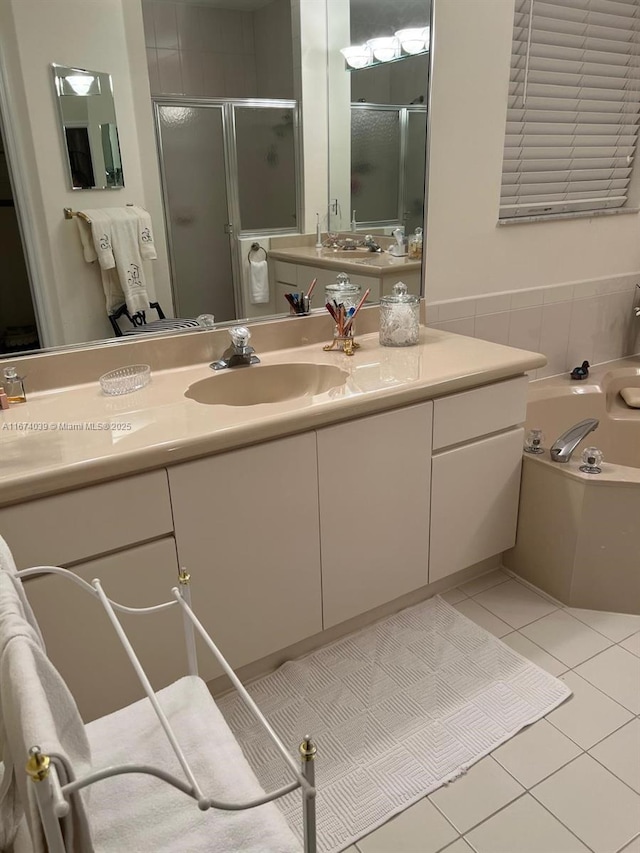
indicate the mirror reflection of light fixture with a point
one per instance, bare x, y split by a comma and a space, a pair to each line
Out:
80, 84
401, 45
385, 48
414, 39
357, 56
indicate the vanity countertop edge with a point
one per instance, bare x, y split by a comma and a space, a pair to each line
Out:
167, 428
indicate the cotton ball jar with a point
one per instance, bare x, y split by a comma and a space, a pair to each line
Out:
399, 318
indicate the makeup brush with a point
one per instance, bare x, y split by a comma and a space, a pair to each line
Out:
358, 307
311, 286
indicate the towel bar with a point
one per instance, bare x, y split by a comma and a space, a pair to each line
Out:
69, 213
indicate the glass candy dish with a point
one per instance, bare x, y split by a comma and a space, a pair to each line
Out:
124, 380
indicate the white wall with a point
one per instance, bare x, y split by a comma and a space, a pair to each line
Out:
86, 34
468, 254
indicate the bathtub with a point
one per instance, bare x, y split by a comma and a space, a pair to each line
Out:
579, 534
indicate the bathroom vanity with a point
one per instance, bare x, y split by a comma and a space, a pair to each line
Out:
293, 517
293, 268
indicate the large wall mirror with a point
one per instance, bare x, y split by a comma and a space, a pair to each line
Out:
231, 102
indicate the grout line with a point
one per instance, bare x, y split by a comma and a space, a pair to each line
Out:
607, 768
561, 822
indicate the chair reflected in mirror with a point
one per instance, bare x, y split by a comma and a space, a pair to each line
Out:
139, 325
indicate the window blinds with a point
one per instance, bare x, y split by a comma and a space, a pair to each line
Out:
574, 106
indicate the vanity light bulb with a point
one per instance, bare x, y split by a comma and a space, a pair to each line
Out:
384, 49
414, 40
357, 56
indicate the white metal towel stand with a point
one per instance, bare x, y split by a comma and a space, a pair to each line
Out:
53, 798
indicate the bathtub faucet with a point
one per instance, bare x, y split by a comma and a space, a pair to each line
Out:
563, 447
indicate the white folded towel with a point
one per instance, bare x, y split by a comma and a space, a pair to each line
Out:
36, 708
96, 237
631, 396
258, 282
145, 233
126, 249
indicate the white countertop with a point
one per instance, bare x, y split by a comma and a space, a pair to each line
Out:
75, 436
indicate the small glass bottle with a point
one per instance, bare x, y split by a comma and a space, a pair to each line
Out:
399, 318
415, 244
14, 386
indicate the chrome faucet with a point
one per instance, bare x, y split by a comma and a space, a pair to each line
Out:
563, 447
371, 244
239, 353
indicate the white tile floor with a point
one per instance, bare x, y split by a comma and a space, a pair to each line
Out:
567, 784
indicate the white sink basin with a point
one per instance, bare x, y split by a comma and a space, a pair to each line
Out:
269, 383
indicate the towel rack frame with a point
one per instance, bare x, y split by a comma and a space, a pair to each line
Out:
256, 247
69, 213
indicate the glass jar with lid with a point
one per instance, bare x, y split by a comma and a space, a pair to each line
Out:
343, 297
399, 318
343, 291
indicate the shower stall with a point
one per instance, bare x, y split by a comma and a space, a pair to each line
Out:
388, 164
230, 170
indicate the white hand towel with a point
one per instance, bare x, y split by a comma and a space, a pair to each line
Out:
101, 237
86, 238
258, 282
35, 708
7, 564
145, 233
124, 234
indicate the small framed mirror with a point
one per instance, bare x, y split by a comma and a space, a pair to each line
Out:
89, 128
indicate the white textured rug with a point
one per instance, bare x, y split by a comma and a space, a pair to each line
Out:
396, 710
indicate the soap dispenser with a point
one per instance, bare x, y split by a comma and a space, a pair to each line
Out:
14, 386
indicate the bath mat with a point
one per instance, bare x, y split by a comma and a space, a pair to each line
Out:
396, 710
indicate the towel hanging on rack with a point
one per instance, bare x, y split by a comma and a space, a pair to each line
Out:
119, 238
258, 276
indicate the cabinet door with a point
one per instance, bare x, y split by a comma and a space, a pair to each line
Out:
81, 641
374, 476
474, 502
247, 530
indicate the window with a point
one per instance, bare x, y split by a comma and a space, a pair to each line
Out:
573, 110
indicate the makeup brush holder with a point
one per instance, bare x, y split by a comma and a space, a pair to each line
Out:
346, 343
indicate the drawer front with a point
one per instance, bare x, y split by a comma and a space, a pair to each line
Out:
285, 273
84, 523
471, 414
474, 502
81, 641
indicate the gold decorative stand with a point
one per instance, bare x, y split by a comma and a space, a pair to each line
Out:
346, 343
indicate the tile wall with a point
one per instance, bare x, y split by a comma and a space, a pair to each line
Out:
569, 323
203, 51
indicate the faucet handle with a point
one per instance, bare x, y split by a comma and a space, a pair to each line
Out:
240, 335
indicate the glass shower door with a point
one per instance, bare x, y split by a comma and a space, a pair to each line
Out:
192, 159
415, 165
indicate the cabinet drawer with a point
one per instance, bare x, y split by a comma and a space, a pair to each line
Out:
474, 502
81, 641
84, 523
471, 414
286, 273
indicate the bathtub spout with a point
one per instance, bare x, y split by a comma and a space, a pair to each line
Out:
563, 447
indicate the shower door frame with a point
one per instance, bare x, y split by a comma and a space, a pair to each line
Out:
403, 111
229, 140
